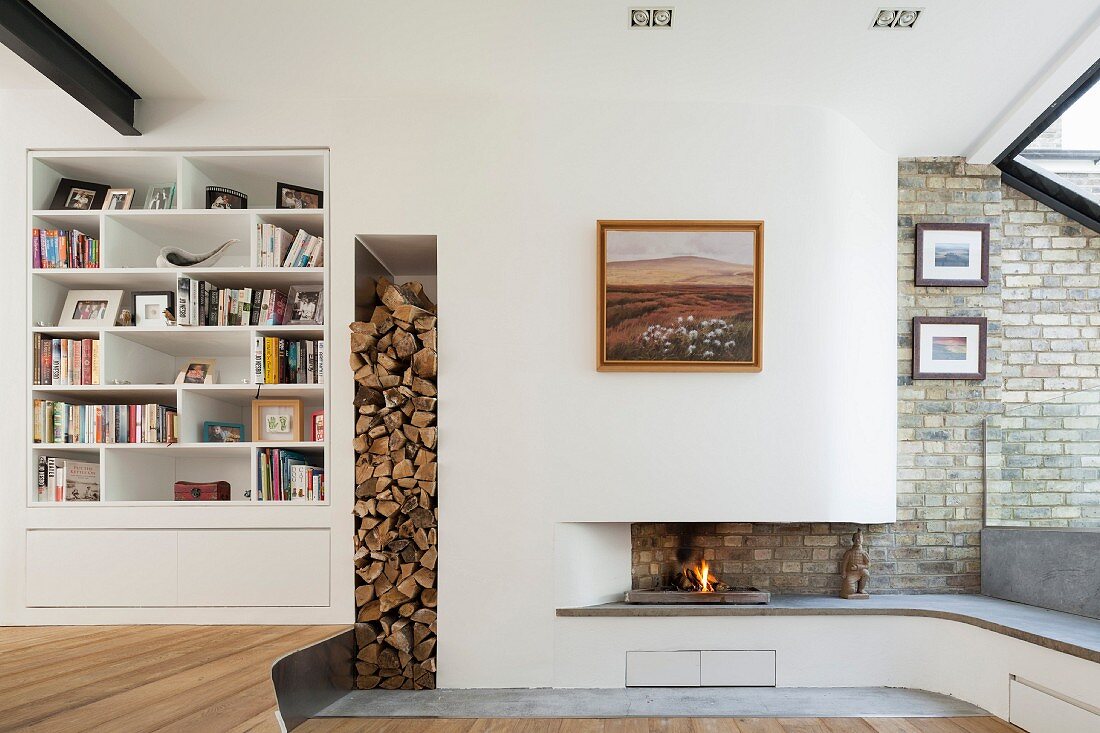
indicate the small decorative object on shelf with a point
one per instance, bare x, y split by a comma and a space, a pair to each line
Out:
225, 198
319, 426
91, 308
150, 307
79, 195
199, 491
949, 348
297, 197
176, 257
118, 199
169, 317
198, 371
952, 255
125, 318
854, 572
222, 432
304, 306
278, 421
161, 196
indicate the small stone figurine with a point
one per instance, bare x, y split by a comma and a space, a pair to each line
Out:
853, 570
125, 318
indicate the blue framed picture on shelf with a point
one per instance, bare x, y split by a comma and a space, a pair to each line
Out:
222, 432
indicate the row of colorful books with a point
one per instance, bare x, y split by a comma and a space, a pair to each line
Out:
277, 248
285, 475
283, 361
61, 248
63, 479
199, 303
62, 422
66, 361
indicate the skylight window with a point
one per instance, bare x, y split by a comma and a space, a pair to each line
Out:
1057, 159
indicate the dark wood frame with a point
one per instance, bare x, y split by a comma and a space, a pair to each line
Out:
280, 186
604, 364
983, 327
921, 280
65, 187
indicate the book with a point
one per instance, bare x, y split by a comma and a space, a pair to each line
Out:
183, 301
81, 481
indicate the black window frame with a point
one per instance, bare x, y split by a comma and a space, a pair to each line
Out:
1042, 185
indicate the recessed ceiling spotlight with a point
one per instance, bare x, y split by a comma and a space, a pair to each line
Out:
896, 17
651, 17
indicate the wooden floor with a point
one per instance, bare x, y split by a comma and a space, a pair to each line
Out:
664, 725
135, 679
126, 679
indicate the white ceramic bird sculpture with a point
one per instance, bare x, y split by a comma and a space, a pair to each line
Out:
176, 257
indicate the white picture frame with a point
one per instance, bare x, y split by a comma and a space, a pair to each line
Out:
90, 308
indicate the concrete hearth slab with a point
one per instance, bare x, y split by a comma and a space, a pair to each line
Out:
719, 702
1063, 632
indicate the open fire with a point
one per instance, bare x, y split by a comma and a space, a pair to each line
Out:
696, 582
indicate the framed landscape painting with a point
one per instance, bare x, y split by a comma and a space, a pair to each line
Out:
949, 348
953, 255
680, 295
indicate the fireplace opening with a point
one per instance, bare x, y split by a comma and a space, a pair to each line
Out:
685, 573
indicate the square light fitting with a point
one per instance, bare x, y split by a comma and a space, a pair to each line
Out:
896, 18
650, 17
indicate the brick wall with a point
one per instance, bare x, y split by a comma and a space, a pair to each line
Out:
934, 545
1047, 463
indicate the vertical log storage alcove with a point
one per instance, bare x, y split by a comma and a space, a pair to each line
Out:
394, 362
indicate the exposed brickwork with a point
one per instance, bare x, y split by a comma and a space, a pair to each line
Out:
1047, 472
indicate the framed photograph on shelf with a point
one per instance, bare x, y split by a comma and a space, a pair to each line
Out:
298, 197
278, 421
949, 348
225, 198
679, 296
198, 371
90, 308
952, 255
222, 432
79, 195
318, 432
149, 308
304, 306
118, 199
161, 196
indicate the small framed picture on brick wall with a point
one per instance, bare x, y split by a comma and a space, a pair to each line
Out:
952, 255
949, 348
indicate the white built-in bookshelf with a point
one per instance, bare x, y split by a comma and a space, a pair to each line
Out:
139, 365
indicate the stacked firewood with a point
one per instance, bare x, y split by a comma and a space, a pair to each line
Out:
394, 359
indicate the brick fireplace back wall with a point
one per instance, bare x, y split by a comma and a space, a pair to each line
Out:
935, 544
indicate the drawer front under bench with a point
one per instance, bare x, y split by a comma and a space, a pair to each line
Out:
701, 668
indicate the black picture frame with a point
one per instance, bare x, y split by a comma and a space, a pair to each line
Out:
231, 199
983, 327
169, 295
921, 281
65, 187
281, 189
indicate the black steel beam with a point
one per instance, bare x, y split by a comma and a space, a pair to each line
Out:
39, 42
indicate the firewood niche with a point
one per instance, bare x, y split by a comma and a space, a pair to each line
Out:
395, 362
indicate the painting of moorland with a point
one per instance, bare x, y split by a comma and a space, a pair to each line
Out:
679, 296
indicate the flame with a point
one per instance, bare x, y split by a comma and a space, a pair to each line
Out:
699, 579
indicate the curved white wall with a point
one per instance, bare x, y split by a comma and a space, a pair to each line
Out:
530, 433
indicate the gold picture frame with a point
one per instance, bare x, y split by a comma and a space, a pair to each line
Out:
679, 296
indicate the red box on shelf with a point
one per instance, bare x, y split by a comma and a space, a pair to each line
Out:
211, 491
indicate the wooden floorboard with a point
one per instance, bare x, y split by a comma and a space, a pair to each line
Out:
176, 679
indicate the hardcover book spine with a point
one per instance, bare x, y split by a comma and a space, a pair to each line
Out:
86, 365
257, 360
95, 361
320, 362
40, 484
193, 307
36, 248
183, 301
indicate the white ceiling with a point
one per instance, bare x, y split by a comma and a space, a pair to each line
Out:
932, 90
